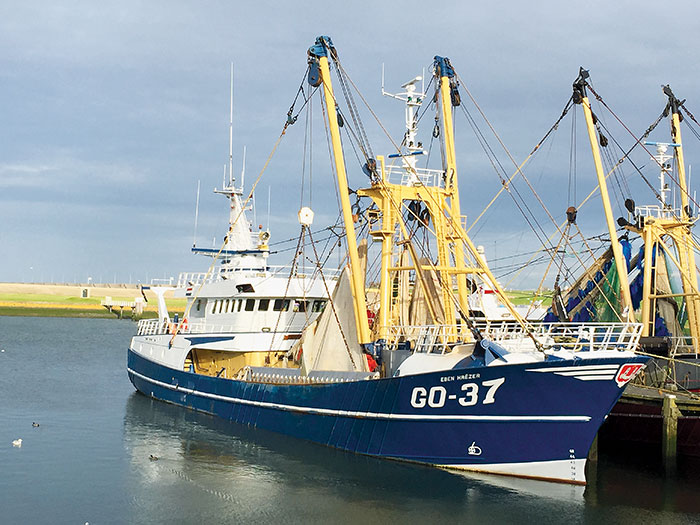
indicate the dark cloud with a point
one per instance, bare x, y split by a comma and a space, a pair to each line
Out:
113, 111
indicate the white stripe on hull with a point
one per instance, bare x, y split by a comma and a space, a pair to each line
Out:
577, 368
582, 372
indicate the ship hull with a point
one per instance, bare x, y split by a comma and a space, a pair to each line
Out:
527, 420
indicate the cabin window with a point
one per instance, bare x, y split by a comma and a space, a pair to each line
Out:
318, 306
300, 306
263, 305
213, 306
199, 304
225, 307
281, 305
231, 305
240, 304
249, 305
221, 305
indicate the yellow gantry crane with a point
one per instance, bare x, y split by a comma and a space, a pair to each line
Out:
668, 227
581, 97
664, 230
439, 195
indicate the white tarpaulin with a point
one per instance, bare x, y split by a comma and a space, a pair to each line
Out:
322, 342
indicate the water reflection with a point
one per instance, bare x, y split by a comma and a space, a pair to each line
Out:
209, 465
89, 459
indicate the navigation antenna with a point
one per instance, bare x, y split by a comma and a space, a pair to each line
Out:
662, 158
196, 215
243, 172
230, 136
413, 100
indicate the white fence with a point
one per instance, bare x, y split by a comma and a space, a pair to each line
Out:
158, 327
198, 278
399, 175
574, 337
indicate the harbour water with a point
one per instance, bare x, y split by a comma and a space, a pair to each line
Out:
90, 458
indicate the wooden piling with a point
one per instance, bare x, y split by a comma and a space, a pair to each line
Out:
591, 469
669, 436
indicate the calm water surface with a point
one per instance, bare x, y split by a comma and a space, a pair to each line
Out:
88, 461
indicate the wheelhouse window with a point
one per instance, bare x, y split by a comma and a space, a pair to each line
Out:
300, 305
249, 305
318, 306
263, 305
281, 305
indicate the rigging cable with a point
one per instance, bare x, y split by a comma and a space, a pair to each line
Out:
291, 119
638, 142
332, 304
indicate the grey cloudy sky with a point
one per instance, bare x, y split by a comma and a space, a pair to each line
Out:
112, 111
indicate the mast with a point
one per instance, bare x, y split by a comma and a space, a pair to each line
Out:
242, 248
230, 136
437, 191
684, 242
449, 96
580, 97
318, 59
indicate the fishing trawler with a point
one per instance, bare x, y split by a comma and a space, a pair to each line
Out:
657, 285
395, 366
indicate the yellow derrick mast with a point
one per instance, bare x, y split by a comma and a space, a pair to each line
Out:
661, 227
439, 195
434, 193
665, 231
581, 97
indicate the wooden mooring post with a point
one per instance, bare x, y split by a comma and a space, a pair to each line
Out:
591, 469
669, 435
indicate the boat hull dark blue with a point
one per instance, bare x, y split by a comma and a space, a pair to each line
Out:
534, 420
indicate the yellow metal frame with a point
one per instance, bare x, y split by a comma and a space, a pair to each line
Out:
683, 239
357, 278
452, 240
620, 262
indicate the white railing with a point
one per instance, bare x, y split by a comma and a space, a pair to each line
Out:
400, 175
427, 338
681, 345
194, 279
151, 327
186, 279
574, 337
656, 211
158, 327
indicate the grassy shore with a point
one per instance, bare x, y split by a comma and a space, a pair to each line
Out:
527, 296
69, 300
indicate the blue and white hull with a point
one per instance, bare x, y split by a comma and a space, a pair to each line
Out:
533, 420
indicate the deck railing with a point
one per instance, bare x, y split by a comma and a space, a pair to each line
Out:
397, 174
158, 327
657, 212
186, 279
574, 337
